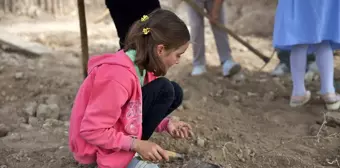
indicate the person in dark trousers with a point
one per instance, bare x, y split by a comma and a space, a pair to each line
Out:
284, 66
124, 13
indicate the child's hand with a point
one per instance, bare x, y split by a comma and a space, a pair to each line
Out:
149, 150
179, 129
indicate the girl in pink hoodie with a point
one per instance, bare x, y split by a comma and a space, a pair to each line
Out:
122, 102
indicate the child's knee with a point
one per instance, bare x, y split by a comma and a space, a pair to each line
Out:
178, 91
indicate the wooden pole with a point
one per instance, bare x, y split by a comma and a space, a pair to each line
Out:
83, 36
231, 33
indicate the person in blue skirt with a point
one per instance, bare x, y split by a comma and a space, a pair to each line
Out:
303, 27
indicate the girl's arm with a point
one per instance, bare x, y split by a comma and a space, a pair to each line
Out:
163, 126
102, 112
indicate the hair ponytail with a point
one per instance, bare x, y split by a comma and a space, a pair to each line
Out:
159, 27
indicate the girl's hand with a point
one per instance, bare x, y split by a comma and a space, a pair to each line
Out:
149, 151
179, 129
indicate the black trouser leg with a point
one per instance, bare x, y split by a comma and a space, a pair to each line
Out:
124, 13
284, 57
160, 98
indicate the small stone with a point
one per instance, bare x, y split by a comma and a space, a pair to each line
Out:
204, 99
180, 108
13, 137
53, 99
269, 96
219, 93
186, 94
309, 76
48, 111
187, 105
22, 120
66, 123
238, 77
313, 129
3, 93
246, 153
251, 94
3, 130
33, 121
262, 80
333, 117
199, 117
58, 131
216, 128
200, 142
2, 69
13, 98
26, 126
31, 108
19, 75
54, 122
236, 98
3, 166
244, 49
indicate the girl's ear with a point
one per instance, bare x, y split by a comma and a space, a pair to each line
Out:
160, 50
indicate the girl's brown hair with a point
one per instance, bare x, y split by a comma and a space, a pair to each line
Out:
164, 27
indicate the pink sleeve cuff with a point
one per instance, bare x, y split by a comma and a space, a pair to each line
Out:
163, 126
126, 142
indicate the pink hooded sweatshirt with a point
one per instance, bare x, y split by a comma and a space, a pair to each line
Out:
107, 112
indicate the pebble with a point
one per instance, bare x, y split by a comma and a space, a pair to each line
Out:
31, 108
186, 94
3, 130
33, 121
200, 142
251, 94
53, 99
19, 75
2, 69
187, 105
48, 111
236, 98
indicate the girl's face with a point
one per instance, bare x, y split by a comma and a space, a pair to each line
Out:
171, 57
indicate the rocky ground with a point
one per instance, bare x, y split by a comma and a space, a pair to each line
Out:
242, 122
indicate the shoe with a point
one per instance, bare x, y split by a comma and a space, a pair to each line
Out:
230, 68
198, 70
280, 70
332, 101
296, 101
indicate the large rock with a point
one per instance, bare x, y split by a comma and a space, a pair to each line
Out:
50, 111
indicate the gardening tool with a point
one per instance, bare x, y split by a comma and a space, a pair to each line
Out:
83, 35
189, 162
175, 155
